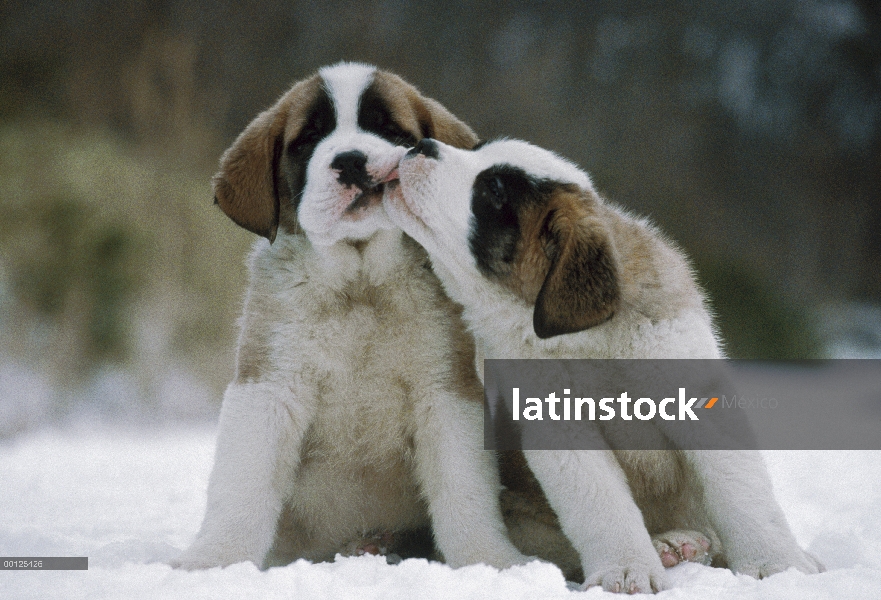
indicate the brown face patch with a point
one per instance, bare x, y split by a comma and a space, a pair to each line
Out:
535, 251
420, 116
546, 242
252, 187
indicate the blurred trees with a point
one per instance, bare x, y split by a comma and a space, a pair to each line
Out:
114, 265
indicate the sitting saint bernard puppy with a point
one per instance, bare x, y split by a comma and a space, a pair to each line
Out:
546, 269
356, 409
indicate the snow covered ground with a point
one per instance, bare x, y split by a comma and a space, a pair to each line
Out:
130, 499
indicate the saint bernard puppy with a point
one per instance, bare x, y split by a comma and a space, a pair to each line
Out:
355, 410
546, 269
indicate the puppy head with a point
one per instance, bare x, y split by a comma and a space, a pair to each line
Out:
318, 160
517, 216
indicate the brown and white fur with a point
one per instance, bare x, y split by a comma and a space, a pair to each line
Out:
355, 408
546, 269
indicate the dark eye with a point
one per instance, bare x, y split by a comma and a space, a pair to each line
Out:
304, 140
319, 123
397, 135
377, 119
495, 186
497, 190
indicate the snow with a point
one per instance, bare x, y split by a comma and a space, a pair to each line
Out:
130, 499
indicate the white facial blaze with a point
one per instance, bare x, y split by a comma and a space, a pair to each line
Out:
322, 212
345, 83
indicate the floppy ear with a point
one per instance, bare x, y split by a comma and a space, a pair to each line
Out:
247, 187
580, 290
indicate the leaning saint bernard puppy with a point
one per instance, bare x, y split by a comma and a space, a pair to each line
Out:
355, 409
546, 269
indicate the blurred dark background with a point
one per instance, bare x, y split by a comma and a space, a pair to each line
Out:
750, 131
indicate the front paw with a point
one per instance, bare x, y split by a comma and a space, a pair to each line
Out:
679, 545
629, 579
761, 567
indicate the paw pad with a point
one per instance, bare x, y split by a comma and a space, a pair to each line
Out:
678, 546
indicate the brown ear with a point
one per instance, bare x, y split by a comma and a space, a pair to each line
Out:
439, 123
580, 290
247, 187
422, 114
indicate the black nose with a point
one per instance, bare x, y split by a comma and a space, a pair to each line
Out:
426, 147
351, 167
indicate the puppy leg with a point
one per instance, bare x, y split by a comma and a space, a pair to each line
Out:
257, 449
589, 492
756, 539
535, 530
461, 483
